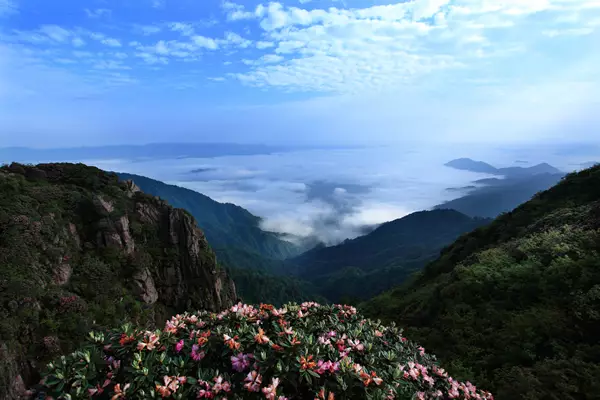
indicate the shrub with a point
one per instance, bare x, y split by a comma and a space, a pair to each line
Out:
299, 351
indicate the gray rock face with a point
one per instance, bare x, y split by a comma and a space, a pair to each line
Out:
126, 238
103, 204
193, 280
131, 188
145, 284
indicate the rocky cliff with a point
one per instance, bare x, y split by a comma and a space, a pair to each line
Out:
80, 250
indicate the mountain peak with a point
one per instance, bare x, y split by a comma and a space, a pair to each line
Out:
468, 164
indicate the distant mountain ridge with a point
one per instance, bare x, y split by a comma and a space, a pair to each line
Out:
497, 195
468, 164
132, 152
500, 195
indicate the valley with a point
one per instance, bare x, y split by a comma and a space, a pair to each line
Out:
432, 272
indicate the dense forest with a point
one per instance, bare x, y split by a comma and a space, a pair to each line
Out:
515, 305
361, 268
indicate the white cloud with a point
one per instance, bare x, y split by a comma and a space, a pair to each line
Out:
568, 32
158, 3
105, 40
152, 59
78, 42
184, 28
56, 33
205, 42
64, 61
98, 12
236, 12
110, 64
390, 46
82, 54
111, 42
147, 30
233, 39
264, 45
266, 59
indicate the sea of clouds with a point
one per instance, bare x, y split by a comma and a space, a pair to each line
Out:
334, 194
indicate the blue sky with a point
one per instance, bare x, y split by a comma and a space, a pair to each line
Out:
91, 72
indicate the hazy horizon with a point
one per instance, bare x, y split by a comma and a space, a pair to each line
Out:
331, 194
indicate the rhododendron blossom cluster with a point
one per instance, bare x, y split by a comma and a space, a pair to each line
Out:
306, 351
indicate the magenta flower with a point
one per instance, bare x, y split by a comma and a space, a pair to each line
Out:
241, 362
197, 355
327, 366
179, 346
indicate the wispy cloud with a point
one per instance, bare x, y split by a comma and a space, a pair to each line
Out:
147, 30
56, 33
236, 12
78, 42
7, 7
98, 12
158, 3
102, 38
352, 50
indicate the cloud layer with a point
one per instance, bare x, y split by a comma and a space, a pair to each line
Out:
339, 192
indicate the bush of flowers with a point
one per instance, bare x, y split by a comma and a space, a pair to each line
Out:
306, 351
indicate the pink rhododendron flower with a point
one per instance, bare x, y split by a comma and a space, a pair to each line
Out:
253, 381
196, 354
271, 390
179, 346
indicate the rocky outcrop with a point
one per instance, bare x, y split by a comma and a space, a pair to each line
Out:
193, 280
78, 236
131, 188
103, 205
122, 226
74, 234
145, 284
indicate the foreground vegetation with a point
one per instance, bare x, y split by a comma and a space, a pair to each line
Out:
295, 352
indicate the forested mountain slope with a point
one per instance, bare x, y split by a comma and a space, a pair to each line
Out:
225, 225
515, 305
365, 266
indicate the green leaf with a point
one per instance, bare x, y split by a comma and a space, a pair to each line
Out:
313, 373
